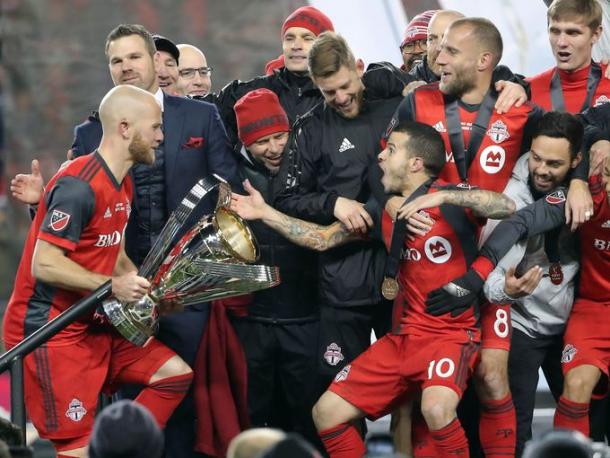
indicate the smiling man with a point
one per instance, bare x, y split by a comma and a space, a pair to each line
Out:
291, 83
338, 144
194, 75
279, 335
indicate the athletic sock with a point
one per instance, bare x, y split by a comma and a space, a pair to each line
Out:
423, 443
163, 396
572, 415
497, 427
451, 440
343, 441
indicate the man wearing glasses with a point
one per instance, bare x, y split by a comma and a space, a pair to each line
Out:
194, 75
414, 44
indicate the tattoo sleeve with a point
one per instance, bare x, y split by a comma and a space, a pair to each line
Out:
310, 235
487, 204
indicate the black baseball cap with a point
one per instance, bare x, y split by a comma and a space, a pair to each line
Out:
165, 44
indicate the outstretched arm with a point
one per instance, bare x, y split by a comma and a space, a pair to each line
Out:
486, 204
303, 233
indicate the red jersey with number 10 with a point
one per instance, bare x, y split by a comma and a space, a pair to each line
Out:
84, 211
427, 263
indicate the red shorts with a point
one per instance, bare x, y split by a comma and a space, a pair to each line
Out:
62, 383
496, 328
397, 366
587, 340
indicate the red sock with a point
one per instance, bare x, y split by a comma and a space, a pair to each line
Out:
572, 415
497, 427
343, 441
451, 440
423, 443
163, 396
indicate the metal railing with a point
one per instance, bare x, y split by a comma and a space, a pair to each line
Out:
13, 359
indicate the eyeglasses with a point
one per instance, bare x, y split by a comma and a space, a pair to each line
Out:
409, 48
189, 73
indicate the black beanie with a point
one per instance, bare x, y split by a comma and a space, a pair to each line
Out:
125, 429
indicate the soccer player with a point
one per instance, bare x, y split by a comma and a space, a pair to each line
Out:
76, 244
427, 354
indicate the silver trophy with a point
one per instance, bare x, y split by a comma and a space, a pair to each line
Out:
211, 261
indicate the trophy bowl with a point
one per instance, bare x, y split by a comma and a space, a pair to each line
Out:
213, 260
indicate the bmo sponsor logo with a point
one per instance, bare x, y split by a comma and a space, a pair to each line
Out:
438, 249
601, 245
492, 159
107, 240
410, 254
449, 156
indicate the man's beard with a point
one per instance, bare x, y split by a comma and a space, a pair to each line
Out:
140, 152
459, 86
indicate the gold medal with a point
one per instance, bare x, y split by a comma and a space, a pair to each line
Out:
389, 288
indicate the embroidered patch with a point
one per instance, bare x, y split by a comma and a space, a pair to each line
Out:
556, 197
342, 375
333, 355
59, 220
568, 353
76, 411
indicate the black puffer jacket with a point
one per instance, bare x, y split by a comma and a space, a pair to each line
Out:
295, 298
297, 96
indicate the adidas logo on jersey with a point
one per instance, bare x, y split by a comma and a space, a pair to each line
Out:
439, 127
345, 145
606, 224
108, 213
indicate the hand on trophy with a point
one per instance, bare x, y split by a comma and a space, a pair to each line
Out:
129, 287
249, 207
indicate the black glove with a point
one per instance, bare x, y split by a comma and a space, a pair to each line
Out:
456, 296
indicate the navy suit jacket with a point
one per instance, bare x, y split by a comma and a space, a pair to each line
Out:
186, 123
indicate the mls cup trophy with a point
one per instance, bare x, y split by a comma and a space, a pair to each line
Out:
210, 261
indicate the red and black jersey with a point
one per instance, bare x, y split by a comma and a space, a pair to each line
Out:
427, 263
595, 248
571, 89
84, 211
507, 136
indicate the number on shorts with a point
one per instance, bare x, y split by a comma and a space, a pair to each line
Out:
501, 324
444, 368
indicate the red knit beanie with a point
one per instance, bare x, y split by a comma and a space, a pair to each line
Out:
309, 18
259, 114
417, 29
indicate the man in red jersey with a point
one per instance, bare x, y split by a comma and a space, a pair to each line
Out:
427, 354
482, 147
586, 354
76, 244
576, 82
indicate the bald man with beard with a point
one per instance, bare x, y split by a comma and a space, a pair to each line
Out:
74, 246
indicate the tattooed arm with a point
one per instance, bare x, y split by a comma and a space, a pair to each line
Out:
303, 233
486, 204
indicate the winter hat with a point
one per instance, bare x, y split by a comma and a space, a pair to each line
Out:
258, 114
418, 27
309, 18
125, 429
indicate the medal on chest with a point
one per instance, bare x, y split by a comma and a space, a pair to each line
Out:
389, 288
555, 273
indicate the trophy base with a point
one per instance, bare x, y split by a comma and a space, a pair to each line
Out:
137, 322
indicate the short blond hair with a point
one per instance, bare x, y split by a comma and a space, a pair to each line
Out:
328, 54
589, 10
